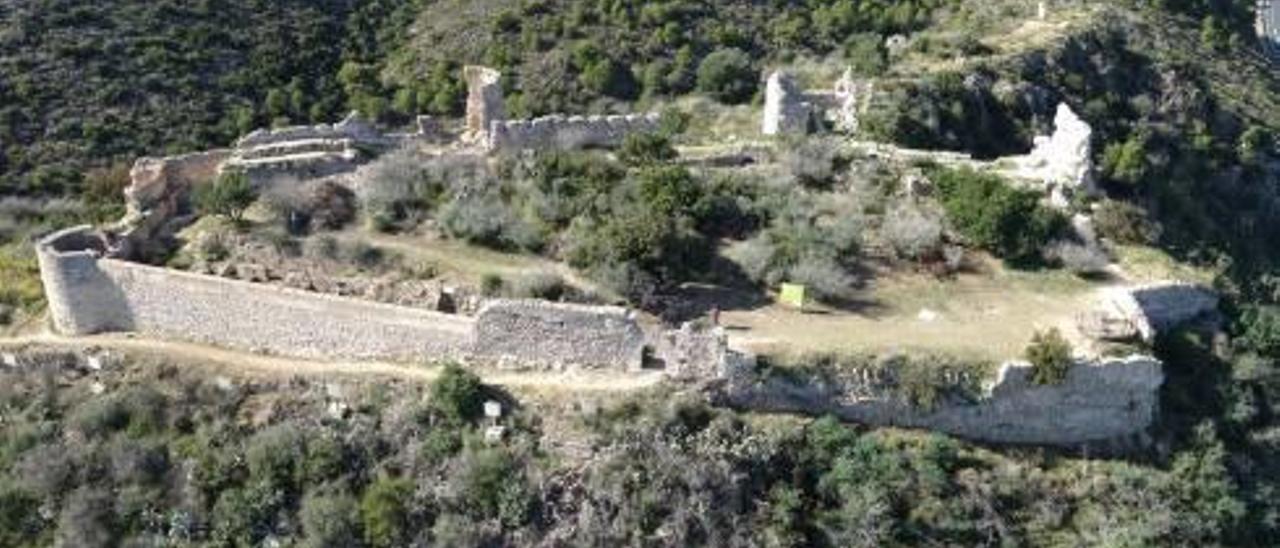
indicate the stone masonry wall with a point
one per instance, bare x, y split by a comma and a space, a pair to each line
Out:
1113, 400
568, 132
89, 294
522, 334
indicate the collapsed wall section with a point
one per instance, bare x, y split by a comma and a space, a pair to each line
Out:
568, 132
1103, 402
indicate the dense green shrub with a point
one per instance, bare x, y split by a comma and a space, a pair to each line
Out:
1124, 223
993, 215
457, 394
1050, 357
1259, 328
727, 75
384, 512
642, 149
485, 218
229, 196
329, 520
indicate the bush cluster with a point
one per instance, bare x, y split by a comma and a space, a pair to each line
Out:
993, 215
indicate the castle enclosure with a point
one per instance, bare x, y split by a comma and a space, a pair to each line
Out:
89, 293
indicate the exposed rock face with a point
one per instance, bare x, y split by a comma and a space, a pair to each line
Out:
1112, 401
1063, 161
1144, 312
485, 103
523, 334
786, 112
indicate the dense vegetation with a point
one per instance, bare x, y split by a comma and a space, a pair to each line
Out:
171, 455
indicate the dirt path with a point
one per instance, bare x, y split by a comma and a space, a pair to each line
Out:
275, 367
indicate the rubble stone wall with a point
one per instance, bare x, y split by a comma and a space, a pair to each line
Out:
568, 132
90, 294
352, 128
535, 334
1110, 402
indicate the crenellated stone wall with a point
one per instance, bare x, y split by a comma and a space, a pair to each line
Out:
568, 132
1104, 402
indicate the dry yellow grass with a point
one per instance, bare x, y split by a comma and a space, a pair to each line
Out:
989, 316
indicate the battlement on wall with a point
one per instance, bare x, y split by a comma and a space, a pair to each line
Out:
568, 132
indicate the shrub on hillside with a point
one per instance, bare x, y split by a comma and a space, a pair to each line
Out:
1050, 357
727, 75
1080, 259
1124, 223
815, 163
913, 231
805, 246
642, 149
1259, 328
384, 512
484, 218
329, 520
457, 394
229, 196
993, 215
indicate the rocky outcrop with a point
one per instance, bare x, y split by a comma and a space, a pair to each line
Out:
1110, 402
786, 111
1143, 312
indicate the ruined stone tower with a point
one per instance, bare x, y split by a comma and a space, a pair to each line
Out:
485, 104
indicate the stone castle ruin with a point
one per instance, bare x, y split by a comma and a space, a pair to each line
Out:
94, 284
1106, 401
1060, 164
90, 293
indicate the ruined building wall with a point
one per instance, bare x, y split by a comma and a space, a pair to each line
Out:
1104, 402
523, 334
568, 132
89, 294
